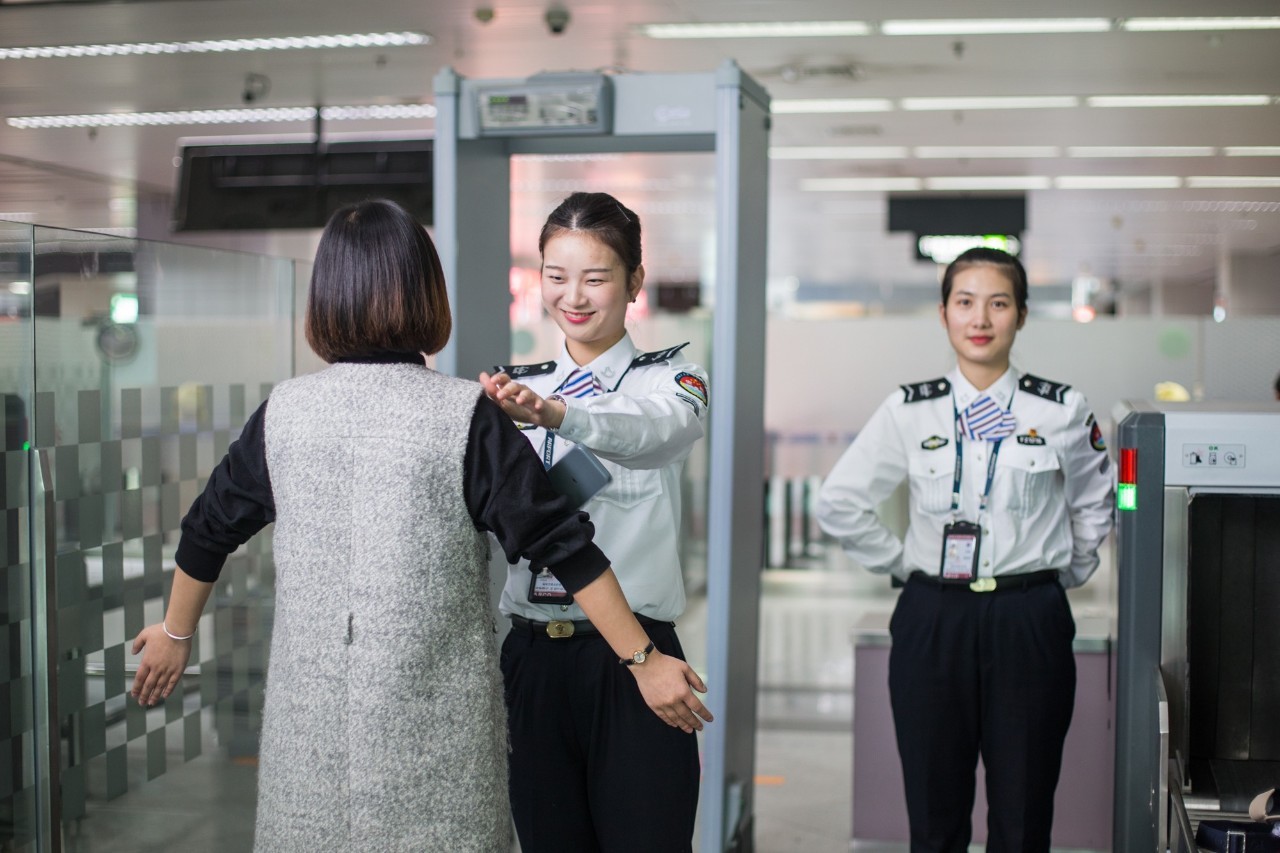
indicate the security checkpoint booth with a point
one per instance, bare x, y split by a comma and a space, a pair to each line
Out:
480, 124
1198, 676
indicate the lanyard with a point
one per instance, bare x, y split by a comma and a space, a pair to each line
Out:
549, 443
991, 466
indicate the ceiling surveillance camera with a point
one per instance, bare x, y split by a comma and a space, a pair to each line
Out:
256, 87
557, 19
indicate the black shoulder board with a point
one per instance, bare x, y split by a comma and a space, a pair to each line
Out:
1055, 391
927, 390
520, 371
657, 357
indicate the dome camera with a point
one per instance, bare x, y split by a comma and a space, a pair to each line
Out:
557, 19
256, 87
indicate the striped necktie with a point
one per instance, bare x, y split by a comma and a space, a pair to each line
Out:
984, 420
581, 383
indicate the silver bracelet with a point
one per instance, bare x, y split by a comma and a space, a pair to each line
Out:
173, 636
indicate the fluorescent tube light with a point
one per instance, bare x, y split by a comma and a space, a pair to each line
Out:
848, 152
229, 116
1252, 150
994, 26
837, 185
1231, 182
1117, 182
994, 183
800, 106
756, 29
396, 39
1178, 100
1167, 25
1141, 151
17, 216
1018, 102
987, 152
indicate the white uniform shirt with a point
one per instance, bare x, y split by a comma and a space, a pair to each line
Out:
642, 428
1051, 500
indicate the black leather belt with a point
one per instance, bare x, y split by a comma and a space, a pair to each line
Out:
1002, 583
563, 629
1234, 836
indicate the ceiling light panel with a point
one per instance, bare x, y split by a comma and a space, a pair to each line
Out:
1166, 25
396, 39
756, 29
987, 152
1117, 182
861, 184
994, 26
233, 116
1023, 102
993, 183
1179, 100
814, 106
1141, 151
847, 152
1233, 182
1252, 150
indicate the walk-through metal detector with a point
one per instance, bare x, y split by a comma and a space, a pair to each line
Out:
1198, 677
479, 125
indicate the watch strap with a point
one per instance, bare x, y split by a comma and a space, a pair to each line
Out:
646, 651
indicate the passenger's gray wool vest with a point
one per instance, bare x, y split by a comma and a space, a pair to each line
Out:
384, 727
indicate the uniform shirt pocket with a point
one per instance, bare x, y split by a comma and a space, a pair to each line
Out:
1031, 475
630, 486
930, 475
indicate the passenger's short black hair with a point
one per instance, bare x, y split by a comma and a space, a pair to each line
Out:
377, 285
1003, 261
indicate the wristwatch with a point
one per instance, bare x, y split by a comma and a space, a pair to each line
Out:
638, 656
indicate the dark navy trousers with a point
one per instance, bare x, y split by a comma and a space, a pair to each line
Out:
593, 770
988, 674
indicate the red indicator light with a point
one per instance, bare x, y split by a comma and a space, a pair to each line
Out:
1129, 465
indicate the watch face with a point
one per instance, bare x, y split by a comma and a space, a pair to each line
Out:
639, 657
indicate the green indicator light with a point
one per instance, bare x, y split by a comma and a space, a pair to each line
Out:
1127, 496
26, 445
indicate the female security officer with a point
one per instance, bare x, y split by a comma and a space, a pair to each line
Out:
602, 773
1010, 497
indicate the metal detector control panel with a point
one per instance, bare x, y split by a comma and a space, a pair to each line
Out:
546, 104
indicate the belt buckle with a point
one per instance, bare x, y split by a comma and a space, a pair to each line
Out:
558, 629
983, 585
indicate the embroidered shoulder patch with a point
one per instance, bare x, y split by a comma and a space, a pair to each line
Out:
933, 442
1054, 391
917, 391
693, 385
658, 356
522, 370
1095, 438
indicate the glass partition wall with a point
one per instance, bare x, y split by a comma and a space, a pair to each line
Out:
128, 368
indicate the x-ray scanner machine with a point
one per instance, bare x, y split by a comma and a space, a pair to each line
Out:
479, 125
1198, 677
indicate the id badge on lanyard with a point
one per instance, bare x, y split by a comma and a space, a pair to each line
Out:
962, 540
545, 589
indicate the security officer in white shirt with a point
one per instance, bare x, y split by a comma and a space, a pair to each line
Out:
1010, 496
592, 769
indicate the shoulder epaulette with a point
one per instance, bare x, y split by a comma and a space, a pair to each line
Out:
658, 356
1055, 391
927, 390
523, 370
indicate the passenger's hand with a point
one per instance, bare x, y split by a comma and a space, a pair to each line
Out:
163, 660
667, 684
521, 403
